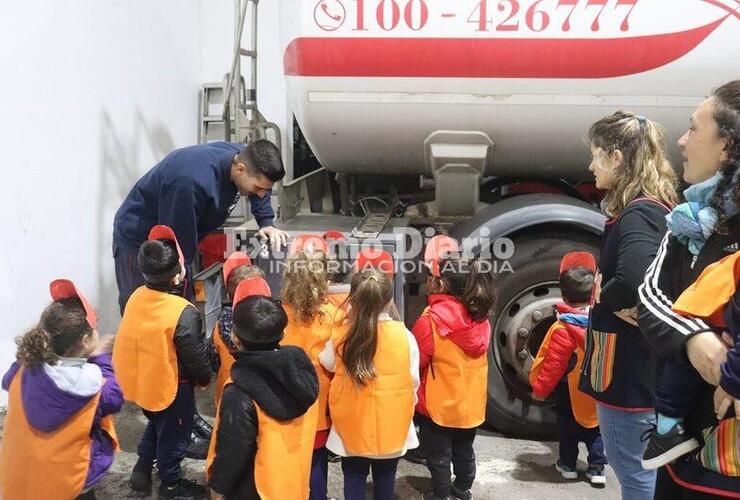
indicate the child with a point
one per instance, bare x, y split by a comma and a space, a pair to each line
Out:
59, 437
159, 356
238, 267
310, 319
714, 298
453, 334
375, 364
266, 424
337, 268
576, 411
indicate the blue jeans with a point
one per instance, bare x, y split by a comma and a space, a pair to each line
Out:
355, 471
621, 431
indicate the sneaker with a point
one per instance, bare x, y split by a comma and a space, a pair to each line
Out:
665, 448
595, 475
415, 456
183, 490
461, 494
141, 478
566, 471
198, 447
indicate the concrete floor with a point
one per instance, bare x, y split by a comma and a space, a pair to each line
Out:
507, 468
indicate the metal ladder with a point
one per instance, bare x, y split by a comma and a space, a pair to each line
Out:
233, 102
240, 100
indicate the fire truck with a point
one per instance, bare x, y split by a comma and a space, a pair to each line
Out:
465, 117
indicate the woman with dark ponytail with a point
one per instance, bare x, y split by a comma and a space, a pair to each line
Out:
453, 334
693, 361
59, 438
375, 363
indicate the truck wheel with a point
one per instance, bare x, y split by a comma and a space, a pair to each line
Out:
524, 312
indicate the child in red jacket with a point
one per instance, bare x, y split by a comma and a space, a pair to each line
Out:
558, 365
453, 334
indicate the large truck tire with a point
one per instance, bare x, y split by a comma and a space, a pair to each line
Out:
523, 314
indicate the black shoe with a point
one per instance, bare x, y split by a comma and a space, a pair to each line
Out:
415, 456
183, 490
461, 494
429, 495
141, 478
665, 448
202, 428
198, 447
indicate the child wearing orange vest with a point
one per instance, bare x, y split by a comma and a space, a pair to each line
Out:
159, 356
266, 424
59, 438
310, 317
237, 267
338, 268
555, 369
453, 334
375, 363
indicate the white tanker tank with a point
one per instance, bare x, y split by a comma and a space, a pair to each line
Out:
370, 81
480, 95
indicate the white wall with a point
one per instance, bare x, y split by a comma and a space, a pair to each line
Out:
92, 94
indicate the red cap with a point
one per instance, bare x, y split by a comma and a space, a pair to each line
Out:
161, 232
375, 258
65, 289
308, 242
334, 235
249, 287
578, 259
436, 248
235, 260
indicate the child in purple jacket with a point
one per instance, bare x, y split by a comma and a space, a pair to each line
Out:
62, 365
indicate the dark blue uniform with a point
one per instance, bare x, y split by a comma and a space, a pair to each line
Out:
191, 191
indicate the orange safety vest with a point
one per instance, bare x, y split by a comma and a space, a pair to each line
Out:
583, 405
707, 297
281, 446
312, 338
35, 464
456, 384
374, 420
227, 361
144, 354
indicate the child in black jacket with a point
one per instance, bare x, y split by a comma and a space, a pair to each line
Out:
270, 397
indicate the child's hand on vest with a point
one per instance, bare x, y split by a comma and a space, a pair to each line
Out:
722, 402
105, 345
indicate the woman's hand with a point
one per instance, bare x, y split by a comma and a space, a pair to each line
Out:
722, 402
597, 288
707, 352
627, 315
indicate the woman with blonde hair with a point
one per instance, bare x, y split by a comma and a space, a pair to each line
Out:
630, 164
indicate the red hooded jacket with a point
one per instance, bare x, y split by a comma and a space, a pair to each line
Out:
563, 344
451, 319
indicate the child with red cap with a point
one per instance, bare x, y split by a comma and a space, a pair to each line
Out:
159, 356
453, 334
265, 427
558, 366
237, 267
305, 290
59, 438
